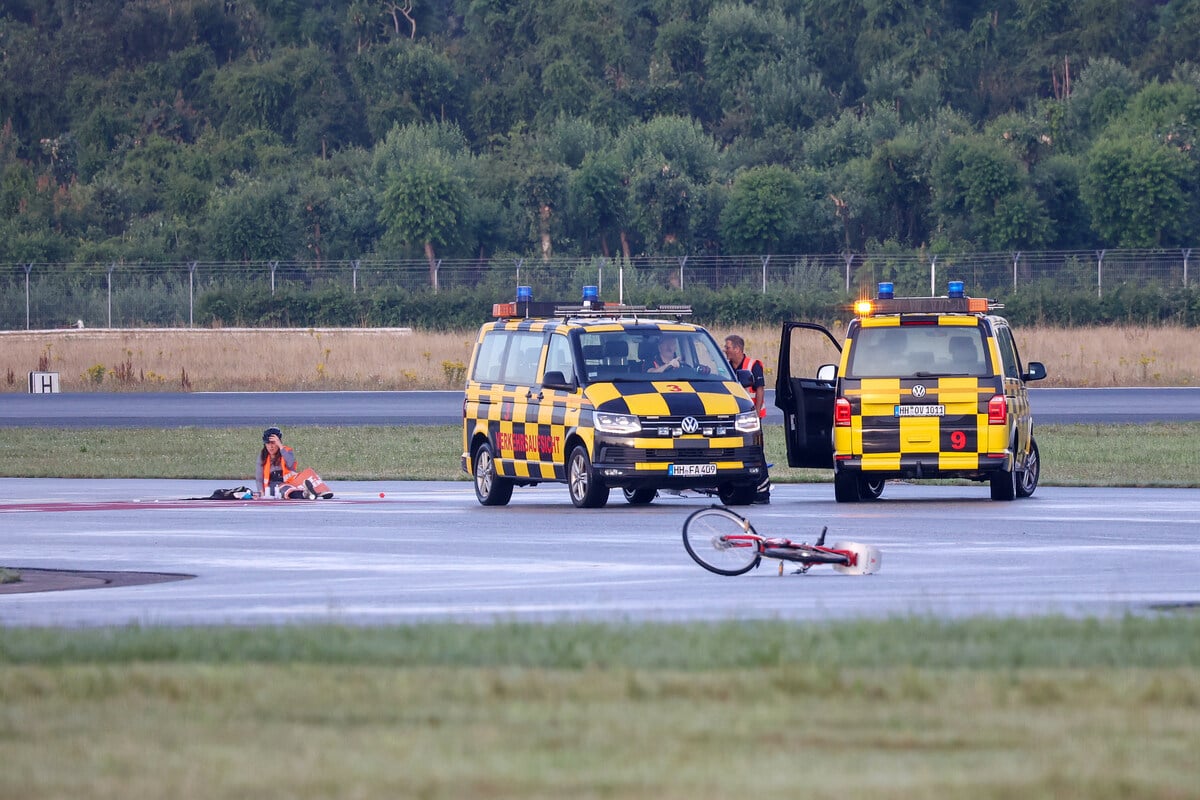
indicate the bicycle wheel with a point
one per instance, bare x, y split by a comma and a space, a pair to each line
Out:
721, 541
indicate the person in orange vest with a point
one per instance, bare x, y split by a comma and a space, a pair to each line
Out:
277, 470
735, 351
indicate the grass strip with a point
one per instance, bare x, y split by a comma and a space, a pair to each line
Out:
1166, 641
905, 708
1157, 454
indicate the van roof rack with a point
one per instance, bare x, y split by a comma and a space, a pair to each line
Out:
597, 309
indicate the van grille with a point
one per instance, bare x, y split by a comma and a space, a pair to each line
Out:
667, 427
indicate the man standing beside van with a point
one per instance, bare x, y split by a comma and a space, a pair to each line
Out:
735, 351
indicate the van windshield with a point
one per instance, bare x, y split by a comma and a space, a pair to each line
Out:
652, 355
917, 350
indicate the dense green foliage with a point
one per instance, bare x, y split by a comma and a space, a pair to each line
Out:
172, 130
465, 308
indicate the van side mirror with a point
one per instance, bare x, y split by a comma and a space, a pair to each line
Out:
556, 380
827, 373
1037, 371
745, 378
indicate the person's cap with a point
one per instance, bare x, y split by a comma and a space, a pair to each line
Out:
269, 432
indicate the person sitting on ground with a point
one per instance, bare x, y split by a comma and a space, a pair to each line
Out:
277, 472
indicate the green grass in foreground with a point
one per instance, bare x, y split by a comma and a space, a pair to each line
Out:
1160, 454
898, 709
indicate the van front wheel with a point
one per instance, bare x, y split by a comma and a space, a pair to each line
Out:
586, 487
491, 489
1027, 481
870, 488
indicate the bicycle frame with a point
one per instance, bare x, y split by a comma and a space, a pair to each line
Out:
806, 554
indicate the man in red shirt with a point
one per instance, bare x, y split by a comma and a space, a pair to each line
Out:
735, 351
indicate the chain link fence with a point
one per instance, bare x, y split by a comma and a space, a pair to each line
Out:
47, 296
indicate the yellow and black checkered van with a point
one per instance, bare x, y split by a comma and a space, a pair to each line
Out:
924, 387
601, 398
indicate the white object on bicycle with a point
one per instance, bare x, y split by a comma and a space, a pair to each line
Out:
867, 558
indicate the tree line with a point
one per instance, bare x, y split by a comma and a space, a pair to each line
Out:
140, 131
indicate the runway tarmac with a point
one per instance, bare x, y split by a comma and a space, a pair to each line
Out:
427, 551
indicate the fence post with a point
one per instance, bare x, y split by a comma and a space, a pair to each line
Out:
600, 275
274, 264
765, 259
849, 261
933, 277
191, 294
1016, 258
1100, 273
111, 267
1186, 254
354, 277
28, 269
682, 263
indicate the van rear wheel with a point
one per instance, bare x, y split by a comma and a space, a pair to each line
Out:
845, 487
586, 487
1004, 484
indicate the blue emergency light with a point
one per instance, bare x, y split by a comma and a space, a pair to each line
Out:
590, 295
524, 294
887, 290
956, 289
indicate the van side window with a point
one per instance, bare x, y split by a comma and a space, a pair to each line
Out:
1008, 353
489, 363
558, 357
524, 353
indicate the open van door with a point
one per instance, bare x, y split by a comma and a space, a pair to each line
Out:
805, 389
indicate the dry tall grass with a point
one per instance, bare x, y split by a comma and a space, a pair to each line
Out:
397, 359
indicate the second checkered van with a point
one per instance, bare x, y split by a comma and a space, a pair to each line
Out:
923, 387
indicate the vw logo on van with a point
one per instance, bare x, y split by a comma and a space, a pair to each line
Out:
689, 425
918, 390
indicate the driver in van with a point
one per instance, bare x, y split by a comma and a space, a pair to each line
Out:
668, 355
668, 358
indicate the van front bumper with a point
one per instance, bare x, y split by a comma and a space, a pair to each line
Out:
679, 468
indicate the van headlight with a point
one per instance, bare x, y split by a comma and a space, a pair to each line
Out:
617, 423
747, 422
